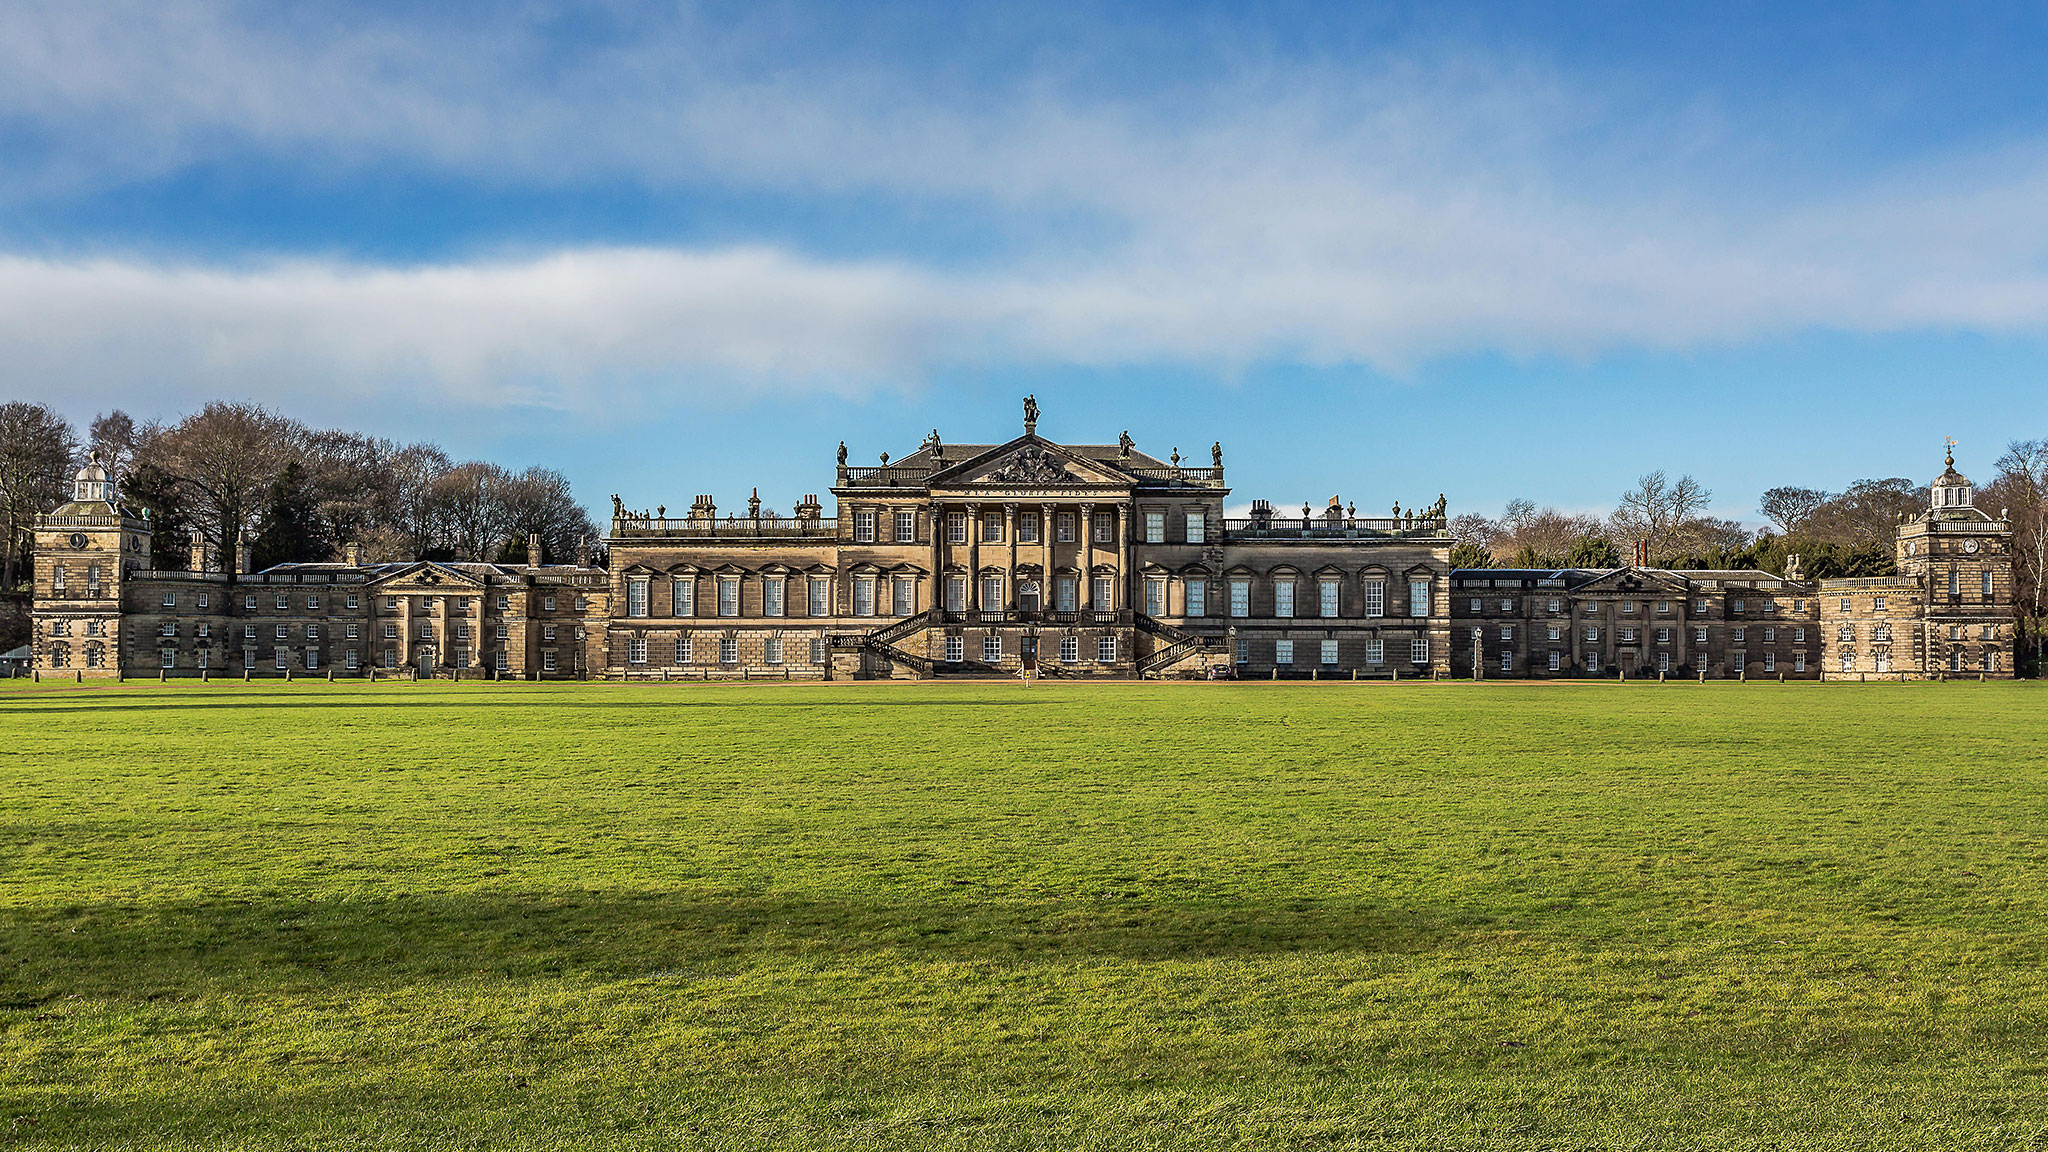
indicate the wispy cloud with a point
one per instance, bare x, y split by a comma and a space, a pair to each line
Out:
1383, 216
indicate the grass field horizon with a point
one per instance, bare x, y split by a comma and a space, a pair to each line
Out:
978, 916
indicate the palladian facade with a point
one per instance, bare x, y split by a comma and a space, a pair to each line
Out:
1068, 559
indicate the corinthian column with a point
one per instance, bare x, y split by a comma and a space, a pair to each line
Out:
1010, 538
1045, 534
974, 557
1087, 557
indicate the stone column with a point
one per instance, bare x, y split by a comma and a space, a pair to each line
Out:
405, 630
935, 514
444, 635
1010, 538
1045, 582
1086, 559
1125, 513
974, 557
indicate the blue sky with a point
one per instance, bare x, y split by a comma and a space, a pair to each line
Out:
1380, 251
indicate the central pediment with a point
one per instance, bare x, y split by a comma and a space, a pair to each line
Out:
1030, 462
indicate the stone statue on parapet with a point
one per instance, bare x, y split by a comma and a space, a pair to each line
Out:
1216, 453
1124, 444
618, 506
1031, 414
842, 453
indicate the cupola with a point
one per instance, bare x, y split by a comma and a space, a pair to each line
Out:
92, 482
1951, 489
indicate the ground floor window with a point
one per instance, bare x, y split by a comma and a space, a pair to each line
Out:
1283, 651
1848, 662
771, 650
60, 655
547, 661
1593, 662
1070, 649
313, 659
1990, 662
1418, 651
279, 657
1556, 661
817, 649
1105, 649
991, 649
199, 658
636, 650
1375, 651
1507, 661
1244, 651
1955, 660
683, 650
1330, 652
1799, 661
351, 661
1663, 661
391, 657
956, 649
1770, 661
728, 650
169, 657
499, 660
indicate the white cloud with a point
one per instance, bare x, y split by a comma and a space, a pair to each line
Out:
1380, 217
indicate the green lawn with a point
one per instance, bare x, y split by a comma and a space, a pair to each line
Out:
975, 916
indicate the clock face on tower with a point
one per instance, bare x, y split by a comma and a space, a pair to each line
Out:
1969, 545
79, 540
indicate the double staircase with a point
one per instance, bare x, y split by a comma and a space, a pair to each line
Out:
882, 642
1180, 644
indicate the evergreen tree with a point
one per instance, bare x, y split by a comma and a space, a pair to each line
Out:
293, 531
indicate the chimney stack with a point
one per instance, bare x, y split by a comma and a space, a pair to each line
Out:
533, 549
352, 554
583, 551
243, 558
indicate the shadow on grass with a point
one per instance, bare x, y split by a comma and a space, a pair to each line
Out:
172, 949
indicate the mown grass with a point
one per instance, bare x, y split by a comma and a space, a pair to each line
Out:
1117, 916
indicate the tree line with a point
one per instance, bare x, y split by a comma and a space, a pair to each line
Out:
298, 494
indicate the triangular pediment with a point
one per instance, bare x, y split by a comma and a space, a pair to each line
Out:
1634, 580
1029, 462
427, 578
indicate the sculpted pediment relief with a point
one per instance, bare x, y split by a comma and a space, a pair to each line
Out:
1034, 465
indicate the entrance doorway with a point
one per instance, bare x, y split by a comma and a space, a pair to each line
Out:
1027, 597
1027, 649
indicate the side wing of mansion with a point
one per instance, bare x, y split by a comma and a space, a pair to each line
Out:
965, 560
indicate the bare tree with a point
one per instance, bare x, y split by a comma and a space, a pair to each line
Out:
1789, 508
2021, 490
473, 498
1473, 529
225, 458
539, 502
1656, 510
37, 448
416, 522
114, 436
1866, 514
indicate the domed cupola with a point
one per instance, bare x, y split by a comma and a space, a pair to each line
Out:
1951, 489
93, 483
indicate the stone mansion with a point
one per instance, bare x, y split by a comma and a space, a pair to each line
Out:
985, 559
